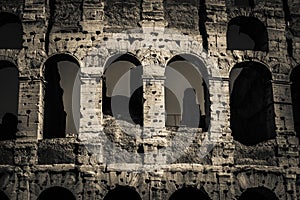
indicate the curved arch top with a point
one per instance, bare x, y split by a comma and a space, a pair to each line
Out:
56, 193
258, 193
10, 23
247, 33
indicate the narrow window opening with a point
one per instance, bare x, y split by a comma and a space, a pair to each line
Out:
295, 91
9, 88
62, 97
251, 103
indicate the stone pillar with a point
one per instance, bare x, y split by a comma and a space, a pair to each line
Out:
225, 188
154, 105
286, 136
219, 124
29, 116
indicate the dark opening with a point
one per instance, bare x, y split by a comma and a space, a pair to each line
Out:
247, 33
202, 19
190, 193
295, 91
11, 31
3, 196
251, 103
62, 96
122, 192
259, 193
56, 193
186, 94
122, 90
136, 106
244, 3
9, 89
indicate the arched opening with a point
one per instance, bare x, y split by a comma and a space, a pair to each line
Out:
251, 103
186, 94
247, 33
295, 92
9, 89
3, 196
62, 96
122, 192
56, 193
259, 193
190, 193
122, 90
11, 31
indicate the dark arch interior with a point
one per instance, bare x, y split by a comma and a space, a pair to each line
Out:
247, 33
259, 193
133, 102
187, 108
56, 193
9, 88
190, 193
295, 91
122, 192
251, 103
61, 100
3, 196
11, 31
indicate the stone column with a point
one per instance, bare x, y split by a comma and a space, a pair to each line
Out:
29, 116
154, 105
219, 129
286, 136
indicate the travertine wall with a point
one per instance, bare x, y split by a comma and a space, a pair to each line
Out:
95, 32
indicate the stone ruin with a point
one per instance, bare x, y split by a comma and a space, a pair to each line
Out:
149, 99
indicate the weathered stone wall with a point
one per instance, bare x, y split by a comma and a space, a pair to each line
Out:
95, 32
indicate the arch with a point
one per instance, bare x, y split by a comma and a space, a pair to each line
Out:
189, 193
9, 87
247, 33
295, 92
56, 193
258, 193
189, 99
62, 96
11, 31
122, 192
122, 87
251, 103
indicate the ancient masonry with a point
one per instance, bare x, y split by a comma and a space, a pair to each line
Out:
224, 75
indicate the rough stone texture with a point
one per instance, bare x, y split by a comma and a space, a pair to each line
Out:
94, 32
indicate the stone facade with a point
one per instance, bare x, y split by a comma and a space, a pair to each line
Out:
105, 156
